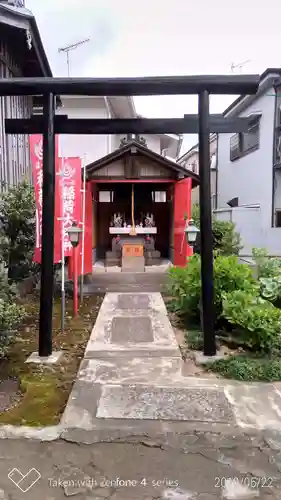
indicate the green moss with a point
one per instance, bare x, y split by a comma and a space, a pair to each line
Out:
45, 389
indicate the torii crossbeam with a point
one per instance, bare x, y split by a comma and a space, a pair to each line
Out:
48, 124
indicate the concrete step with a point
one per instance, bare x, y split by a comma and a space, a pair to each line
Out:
126, 282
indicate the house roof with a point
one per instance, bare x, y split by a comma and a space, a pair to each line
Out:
144, 151
22, 19
266, 81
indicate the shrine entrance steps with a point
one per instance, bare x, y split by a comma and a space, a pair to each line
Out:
162, 267
116, 281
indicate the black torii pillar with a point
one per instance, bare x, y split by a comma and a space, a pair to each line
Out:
206, 233
48, 222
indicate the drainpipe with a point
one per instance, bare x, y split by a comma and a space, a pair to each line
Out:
180, 141
217, 173
109, 137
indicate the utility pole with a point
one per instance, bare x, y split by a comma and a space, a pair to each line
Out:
238, 66
68, 48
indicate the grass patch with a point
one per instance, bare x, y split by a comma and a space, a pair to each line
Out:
247, 368
45, 389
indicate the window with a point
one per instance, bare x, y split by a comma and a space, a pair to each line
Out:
159, 196
213, 161
235, 147
106, 196
244, 143
278, 218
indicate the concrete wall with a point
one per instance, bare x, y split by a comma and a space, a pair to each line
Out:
94, 146
247, 222
250, 178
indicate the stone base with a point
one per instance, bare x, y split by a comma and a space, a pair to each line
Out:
48, 360
113, 255
153, 254
113, 259
112, 262
133, 264
200, 359
153, 262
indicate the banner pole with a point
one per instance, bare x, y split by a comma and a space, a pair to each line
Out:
62, 248
83, 228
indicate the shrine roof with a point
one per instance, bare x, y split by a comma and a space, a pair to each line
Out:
144, 151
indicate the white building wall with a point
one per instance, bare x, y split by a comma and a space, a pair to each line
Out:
153, 143
250, 177
93, 146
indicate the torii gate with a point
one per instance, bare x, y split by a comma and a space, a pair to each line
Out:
204, 124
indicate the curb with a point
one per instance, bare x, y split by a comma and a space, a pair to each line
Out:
117, 435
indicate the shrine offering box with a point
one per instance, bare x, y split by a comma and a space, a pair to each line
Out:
131, 250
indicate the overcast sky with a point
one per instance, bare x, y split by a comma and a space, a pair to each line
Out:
161, 37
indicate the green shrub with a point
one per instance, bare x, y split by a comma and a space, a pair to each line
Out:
185, 284
17, 234
269, 275
267, 267
11, 314
259, 321
226, 241
270, 288
248, 369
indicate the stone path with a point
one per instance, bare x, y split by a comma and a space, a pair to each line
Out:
135, 428
131, 381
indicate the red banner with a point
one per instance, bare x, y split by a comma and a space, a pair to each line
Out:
69, 197
36, 154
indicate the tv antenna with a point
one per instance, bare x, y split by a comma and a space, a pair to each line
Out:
68, 48
238, 66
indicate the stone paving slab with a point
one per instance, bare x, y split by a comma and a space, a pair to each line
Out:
256, 405
161, 403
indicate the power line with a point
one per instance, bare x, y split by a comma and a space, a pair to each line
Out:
68, 48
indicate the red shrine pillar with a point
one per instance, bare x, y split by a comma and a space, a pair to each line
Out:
182, 210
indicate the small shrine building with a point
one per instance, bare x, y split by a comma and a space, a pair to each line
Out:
137, 203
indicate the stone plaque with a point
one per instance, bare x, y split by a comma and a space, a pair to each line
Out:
135, 330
